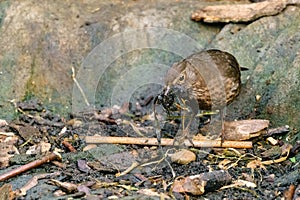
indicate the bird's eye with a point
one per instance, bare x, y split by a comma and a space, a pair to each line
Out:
181, 78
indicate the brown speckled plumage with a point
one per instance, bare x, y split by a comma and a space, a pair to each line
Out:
211, 77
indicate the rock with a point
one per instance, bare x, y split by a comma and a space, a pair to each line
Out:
269, 47
41, 42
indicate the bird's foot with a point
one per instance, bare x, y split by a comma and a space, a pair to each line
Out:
222, 137
213, 133
183, 138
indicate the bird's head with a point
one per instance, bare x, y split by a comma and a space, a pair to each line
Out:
180, 78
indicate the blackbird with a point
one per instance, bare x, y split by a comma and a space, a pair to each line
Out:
207, 80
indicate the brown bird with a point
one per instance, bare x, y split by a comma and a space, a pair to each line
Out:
207, 80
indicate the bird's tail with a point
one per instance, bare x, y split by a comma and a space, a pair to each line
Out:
244, 68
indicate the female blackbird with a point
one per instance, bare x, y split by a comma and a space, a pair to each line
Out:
207, 80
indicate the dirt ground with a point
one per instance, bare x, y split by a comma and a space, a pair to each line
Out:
113, 152
89, 171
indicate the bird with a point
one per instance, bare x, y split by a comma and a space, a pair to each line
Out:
206, 80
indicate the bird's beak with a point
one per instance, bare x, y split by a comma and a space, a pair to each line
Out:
167, 90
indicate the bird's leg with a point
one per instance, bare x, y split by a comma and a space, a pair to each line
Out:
156, 124
185, 132
188, 136
215, 129
222, 115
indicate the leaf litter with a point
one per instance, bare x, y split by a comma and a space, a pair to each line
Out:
73, 164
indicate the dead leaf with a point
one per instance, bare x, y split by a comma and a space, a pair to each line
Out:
151, 192
74, 123
33, 182
40, 148
273, 152
89, 146
6, 192
3, 122
83, 166
256, 164
285, 149
288, 194
178, 185
285, 154
65, 186
28, 132
6, 152
240, 183
223, 164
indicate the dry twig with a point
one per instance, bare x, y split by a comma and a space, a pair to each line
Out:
79, 87
68, 145
29, 166
165, 142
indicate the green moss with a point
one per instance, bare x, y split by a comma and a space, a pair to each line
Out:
3, 6
28, 95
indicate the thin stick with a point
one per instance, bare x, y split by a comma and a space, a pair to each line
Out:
79, 87
28, 166
165, 142
132, 167
69, 146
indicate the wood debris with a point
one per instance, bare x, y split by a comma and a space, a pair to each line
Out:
297, 193
285, 150
245, 129
6, 192
29, 166
33, 182
288, 194
117, 170
239, 12
205, 182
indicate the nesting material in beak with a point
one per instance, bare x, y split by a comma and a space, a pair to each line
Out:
167, 90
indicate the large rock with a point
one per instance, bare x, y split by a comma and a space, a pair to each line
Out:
270, 48
118, 55
40, 42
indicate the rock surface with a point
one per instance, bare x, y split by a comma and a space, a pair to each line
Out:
118, 47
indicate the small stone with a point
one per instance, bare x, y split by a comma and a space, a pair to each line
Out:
183, 157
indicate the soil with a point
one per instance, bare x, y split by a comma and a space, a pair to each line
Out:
94, 169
